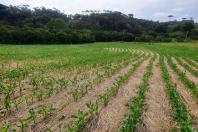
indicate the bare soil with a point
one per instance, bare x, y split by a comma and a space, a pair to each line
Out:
110, 117
187, 97
188, 74
54, 120
157, 117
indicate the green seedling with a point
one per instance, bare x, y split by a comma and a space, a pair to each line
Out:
23, 125
75, 94
5, 127
32, 115
80, 122
47, 110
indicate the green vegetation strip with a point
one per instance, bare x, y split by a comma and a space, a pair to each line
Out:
136, 106
190, 84
187, 67
181, 114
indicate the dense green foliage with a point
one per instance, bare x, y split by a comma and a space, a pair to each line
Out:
40, 25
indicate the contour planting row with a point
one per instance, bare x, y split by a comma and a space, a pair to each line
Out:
55, 86
191, 62
136, 105
93, 106
39, 80
18, 83
156, 101
62, 63
189, 75
93, 95
187, 67
188, 83
181, 113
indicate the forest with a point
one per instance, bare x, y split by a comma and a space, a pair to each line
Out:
23, 25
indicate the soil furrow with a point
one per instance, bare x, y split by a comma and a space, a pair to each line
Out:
188, 74
111, 116
191, 66
53, 121
157, 117
57, 100
188, 98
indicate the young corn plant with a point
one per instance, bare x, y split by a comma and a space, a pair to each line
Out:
181, 113
137, 103
32, 115
75, 94
8, 102
5, 127
105, 97
21, 89
39, 95
47, 110
23, 125
92, 108
80, 122
34, 82
63, 83
50, 91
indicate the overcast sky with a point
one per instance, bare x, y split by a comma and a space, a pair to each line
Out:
148, 9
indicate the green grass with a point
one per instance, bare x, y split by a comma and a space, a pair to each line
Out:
90, 51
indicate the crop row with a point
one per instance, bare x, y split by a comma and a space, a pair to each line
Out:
187, 67
82, 118
191, 62
109, 72
136, 105
182, 76
181, 113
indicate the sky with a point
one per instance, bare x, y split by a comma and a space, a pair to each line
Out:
157, 10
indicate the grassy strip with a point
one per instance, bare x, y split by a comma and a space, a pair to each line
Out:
103, 99
190, 84
136, 106
191, 62
187, 67
181, 114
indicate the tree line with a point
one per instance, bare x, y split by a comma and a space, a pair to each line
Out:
22, 25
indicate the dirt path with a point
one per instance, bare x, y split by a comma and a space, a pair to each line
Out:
188, 74
111, 116
157, 117
54, 121
189, 100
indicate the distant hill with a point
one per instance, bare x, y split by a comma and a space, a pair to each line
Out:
20, 24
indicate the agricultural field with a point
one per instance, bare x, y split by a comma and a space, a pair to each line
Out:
100, 87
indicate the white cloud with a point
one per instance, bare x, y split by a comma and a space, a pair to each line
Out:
179, 9
162, 14
150, 9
